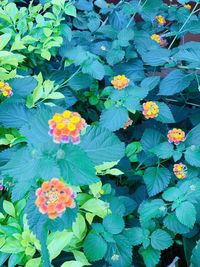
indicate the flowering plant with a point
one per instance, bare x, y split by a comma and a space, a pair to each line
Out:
104, 96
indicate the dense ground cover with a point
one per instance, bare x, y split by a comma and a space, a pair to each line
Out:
99, 133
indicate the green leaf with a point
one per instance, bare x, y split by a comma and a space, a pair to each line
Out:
150, 256
150, 82
124, 36
70, 10
171, 194
192, 156
132, 149
114, 118
98, 142
95, 69
113, 223
186, 214
33, 262
94, 247
59, 240
165, 114
79, 227
96, 206
115, 56
175, 82
162, 57
173, 224
75, 166
80, 81
150, 138
151, 209
12, 245
134, 235
4, 39
195, 258
164, 150
192, 136
161, 240
72, 264
9, 208
156, 179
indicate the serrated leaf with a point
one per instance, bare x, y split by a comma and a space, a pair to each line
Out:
186, 214
101, 145
171, 194
156, 179
150, 256
195, 258
164, 150
192, 156
150, 138
161, 240
162, 56
165, 114
113, 223
175, 82
135, 235
94, 247
192, 136
173, 224
114, 118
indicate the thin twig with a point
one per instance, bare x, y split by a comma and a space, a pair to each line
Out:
188, 18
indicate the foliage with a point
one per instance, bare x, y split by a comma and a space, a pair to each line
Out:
128, 71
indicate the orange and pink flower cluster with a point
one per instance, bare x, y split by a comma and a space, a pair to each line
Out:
5, 89
53, 197
66, 127
180, 170
150, 110
120, 81
176, 136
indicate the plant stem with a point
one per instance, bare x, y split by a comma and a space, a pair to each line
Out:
132, 17
72, 76
188, 18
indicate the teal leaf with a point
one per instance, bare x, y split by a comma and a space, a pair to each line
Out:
186, 214
95, 69
161, 240
150, 256
164, 150
173, 224
113, 223
195, 258
156, 179
192, 156
192, 137
76, 167
162, 57
165, 114
175, 82
134, 235
114, 118
101, 145
94, 247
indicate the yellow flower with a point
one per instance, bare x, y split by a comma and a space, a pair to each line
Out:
156, 38
188, 6
160, 20
176, 136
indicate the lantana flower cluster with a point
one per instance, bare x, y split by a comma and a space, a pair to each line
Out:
66, 127
5, 89
150, 109
176, 136
53, 197
158, 39
180, 170
188, 6
120, 81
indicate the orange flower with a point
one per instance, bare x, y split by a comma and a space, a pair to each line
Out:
53, 197
5, 89
180, 170
160, 20
120, 81
66, 127
127, 124
150, 110
176, 136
